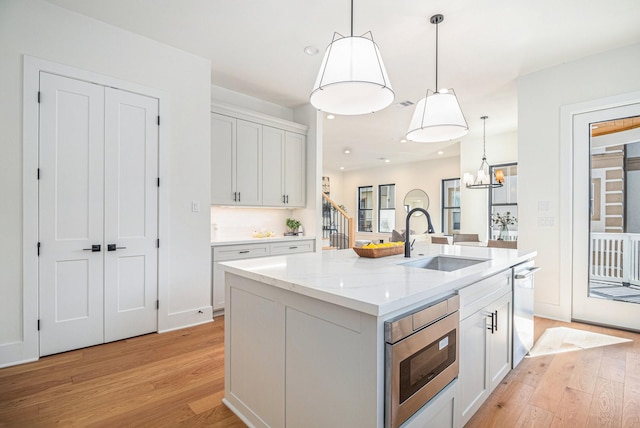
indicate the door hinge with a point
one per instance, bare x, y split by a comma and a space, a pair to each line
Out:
38, 325
157, 304
38, 174
158, 181
38, 97
158, 120
158, 243
38, 246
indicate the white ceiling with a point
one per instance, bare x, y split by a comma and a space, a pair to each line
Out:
256, 48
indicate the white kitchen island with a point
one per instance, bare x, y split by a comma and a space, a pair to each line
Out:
304, 334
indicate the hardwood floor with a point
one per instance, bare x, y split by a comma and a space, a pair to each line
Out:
595, 386
177, 379
161, 380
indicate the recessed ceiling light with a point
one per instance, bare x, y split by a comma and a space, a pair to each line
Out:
387, 160
403, 141
440, 152
341, 167
384, 160
311, 50
330, 116
347, 151
405, 103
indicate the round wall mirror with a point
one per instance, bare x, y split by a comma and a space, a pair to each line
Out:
416, 198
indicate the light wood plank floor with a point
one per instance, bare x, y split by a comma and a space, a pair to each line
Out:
158, 380
177, 379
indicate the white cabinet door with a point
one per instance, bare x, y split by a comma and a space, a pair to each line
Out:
473, 378
295, 169
485, 353
248, 163
273, 173
131, 215
256, 328
500, 340
71, 216
223, 180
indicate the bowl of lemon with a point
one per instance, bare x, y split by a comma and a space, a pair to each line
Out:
380, 250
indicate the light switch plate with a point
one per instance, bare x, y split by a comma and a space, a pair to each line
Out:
195, 206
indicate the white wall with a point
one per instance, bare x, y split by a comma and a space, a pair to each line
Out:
474, 203
425, 175
541, 182
39, 29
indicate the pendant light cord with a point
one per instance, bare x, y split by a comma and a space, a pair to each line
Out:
351, 18
436, 88
484, 137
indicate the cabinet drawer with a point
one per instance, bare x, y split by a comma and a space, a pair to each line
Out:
239, 252
291, 247
478, 295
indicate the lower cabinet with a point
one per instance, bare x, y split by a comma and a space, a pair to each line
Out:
485, 347
225, 253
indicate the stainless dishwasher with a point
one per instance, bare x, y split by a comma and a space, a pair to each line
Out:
523, 287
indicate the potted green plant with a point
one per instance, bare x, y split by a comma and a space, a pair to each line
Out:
293, 225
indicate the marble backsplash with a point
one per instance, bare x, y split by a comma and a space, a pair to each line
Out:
241, 223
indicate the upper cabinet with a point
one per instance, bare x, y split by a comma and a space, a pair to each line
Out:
256, 162
236, 160
283, 168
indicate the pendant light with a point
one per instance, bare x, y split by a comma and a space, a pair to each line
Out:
352, 78
438, 116
484, 180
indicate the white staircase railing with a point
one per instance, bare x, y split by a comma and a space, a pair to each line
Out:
615, 257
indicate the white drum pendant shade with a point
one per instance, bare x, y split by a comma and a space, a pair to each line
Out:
352, 78
437, 117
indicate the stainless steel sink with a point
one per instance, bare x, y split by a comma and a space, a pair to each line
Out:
443, 263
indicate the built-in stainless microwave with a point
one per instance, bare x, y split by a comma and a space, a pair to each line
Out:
421, 357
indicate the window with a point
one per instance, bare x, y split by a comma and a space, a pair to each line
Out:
386, 208
365, 209
504, 199
450, 206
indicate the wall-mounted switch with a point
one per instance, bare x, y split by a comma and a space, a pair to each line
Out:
195, 206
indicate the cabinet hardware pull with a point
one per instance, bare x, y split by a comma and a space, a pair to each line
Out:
491, 328
238, 196
244, 251
112, 247
292, 248
496, 318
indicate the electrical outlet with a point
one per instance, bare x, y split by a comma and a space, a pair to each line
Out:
546, 221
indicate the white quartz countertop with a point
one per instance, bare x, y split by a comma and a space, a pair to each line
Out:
236, 241
376, 286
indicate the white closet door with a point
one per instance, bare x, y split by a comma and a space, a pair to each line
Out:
70, 214
131, 214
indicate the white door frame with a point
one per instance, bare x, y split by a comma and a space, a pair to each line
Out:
568, 115
27, 350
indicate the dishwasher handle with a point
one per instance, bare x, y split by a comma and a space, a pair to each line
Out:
529, 272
